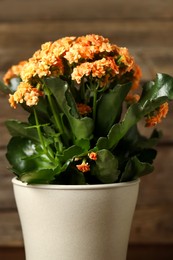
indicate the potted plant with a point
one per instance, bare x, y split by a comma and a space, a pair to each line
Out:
79, 157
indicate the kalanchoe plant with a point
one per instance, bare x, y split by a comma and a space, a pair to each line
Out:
83, 114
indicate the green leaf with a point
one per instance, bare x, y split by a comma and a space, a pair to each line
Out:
118, 130
102, 143
38, 177
5, 89
133, 140
147, 155
162, 86
81, 128
70, 152
84, 144
58, 88
17, 128
154, 94
70, 177
106, 167
80, 148
109, 108
42, 108
17, 150
24, 156
72, 104
135, 169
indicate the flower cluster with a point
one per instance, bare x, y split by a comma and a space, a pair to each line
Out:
25, 93
75, 90
157, 115
90, 56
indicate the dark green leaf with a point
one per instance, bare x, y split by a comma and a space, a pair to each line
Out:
70, 177
135, 169
17, 128
133, 140
109, 108
150, 100
82, 128
71, 103
147, 155
70, 152
38, 177
5, 89
23, 156
106, 167
17, 151
102, 143
161, 87
120, 129
84, 144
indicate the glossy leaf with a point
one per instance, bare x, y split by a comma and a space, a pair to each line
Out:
106, 167
17, 128
72, 151
44, 176
23, 156
109, 108
123, 154
5, 89
149, 102
135, 169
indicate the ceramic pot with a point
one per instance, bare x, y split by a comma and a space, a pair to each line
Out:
76, 222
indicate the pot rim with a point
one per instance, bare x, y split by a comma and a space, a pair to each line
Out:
17, 182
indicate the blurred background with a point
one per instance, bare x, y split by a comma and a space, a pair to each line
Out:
146, 29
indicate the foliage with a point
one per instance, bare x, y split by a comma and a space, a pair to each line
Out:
83, 114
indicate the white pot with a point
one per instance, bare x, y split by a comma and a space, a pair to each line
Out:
76, 222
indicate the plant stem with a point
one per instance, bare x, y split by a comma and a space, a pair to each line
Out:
82, 90
94, 103
38, 130
55, 115
46, 151
58, 122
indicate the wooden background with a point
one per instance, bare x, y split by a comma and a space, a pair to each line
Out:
146, 28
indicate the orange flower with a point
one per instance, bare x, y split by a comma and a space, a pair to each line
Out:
86, 47
92, 156
14, 71
47, 60
136, 76
126, 59
62, 46
25, 92
157, 117
132, 98
83, 109
93, 55
43, 63
80, 71
97, 69
83, 167
100, 67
